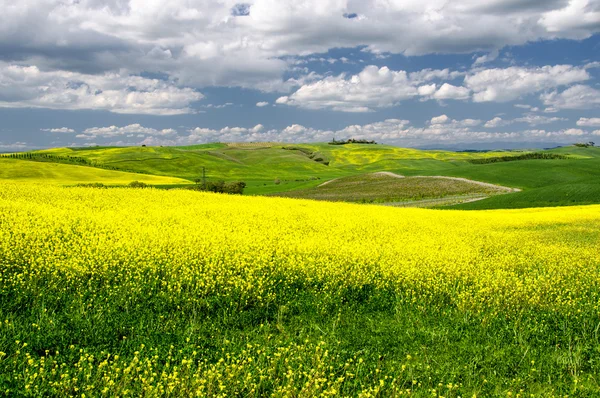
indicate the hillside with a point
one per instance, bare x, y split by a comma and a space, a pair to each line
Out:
14, 170
274, 168
389, 188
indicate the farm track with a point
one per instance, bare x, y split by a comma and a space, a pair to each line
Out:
447, 201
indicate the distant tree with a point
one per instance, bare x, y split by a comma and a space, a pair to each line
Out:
137, 184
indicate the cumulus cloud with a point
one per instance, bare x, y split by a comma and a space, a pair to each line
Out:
372, 88
502, 85
575, 19
489, 57
129, 130
448, 122
381, 87
589, 122
575, 97
496, 122
439, 119
535, 120
529, 107
59, 130
30, 87
262, 104
531, 119
448, 91
200, 43
14, 146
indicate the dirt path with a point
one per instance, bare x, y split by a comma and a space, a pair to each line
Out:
327, 182
447, 201
389, 174
481, 184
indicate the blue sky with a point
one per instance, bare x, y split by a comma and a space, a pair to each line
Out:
428, 73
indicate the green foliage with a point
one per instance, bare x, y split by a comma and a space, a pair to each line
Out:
525, 156
351, 141
91, 185
137, 184
221, 186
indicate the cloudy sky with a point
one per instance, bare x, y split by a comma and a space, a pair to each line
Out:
438, 73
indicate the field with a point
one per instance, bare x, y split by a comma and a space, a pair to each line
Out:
145, 292
385, 187
276, 168
65, 174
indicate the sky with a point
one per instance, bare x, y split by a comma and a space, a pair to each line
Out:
462, 74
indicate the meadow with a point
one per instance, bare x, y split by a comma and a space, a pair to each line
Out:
568, 176
145, 292
15, 170
385, 187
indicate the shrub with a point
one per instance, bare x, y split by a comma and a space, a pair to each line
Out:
92, 185
137, 184
525, 156
221, 187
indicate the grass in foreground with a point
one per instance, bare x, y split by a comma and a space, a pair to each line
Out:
387, 187
175, 293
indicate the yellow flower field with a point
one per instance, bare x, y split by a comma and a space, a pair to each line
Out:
85, 258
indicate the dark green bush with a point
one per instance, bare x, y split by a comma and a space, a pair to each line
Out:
525, 156
137, 184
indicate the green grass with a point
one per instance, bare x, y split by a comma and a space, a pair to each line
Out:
14, 170
379, 188
261, 165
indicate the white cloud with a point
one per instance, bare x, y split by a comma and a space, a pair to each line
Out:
489, 57
132, 129
200, 43
448, 91
427, 90
30, 87
589, 122
262, 104
447, 122
577, 132
496, 122
575, 97
502, 85
529, 107
576, 19
535, 120
381, 87
372, 88
59, 130
15, 146
439, 119
531, 119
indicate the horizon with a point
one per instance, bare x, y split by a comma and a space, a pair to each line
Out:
448, 74
449, 148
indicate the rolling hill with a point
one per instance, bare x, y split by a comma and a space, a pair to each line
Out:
275, 168
15, 170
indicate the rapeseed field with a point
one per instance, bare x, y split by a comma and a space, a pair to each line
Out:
142, 292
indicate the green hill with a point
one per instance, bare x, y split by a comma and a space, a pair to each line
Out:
15, 170
270, 168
